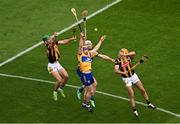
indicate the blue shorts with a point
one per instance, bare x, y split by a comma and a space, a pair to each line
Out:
87, 79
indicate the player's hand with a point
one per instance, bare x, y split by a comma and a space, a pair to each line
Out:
125, 72
55, 34
82, 34
103, 38
73, 37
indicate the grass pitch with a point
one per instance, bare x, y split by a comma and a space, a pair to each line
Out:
150, 27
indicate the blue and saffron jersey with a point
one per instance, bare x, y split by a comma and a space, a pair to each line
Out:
85, 61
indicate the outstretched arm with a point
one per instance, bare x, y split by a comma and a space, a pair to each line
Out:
81, 43
95, 49
131, 54
105, 57
64, 41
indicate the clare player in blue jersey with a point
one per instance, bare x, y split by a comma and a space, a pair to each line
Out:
87, 45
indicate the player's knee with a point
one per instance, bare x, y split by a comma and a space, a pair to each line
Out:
66, 76
131, 96
88, 95
95, 84
58, 80
91, 92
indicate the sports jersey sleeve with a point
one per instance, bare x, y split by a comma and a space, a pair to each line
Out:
93, 54
116, 62
56, 42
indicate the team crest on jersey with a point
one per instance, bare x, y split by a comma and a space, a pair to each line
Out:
86, 59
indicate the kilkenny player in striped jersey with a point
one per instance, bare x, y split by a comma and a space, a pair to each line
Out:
54, 67
123, 65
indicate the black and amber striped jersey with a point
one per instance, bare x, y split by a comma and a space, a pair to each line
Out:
125, 65
53, 53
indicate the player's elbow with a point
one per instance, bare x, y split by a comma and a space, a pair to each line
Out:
66, 77
95, 50
116, 71
62, 42
133, 53
103, 57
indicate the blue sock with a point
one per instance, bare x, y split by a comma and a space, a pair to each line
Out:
81, 89
92, 98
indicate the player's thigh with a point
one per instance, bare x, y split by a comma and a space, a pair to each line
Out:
130, 91
94, 82
56, 75
140, 85
85, 91
63, 73
89, 89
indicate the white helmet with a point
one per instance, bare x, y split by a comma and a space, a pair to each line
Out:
88, 42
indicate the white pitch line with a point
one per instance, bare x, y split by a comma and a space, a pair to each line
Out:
60, 32
100, 92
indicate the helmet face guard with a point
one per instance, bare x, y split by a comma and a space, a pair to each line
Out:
85, 48
89, 44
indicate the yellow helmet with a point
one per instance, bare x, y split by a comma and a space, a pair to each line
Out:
124, 50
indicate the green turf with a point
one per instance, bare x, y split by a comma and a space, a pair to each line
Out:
150, 27
34, 104
23, 23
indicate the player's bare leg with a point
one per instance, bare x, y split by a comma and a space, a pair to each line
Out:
94, 90
85, 100
142, 90
87, 94
64, 76
132, 100
94, 85
144, 94
80, 90
58, 78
